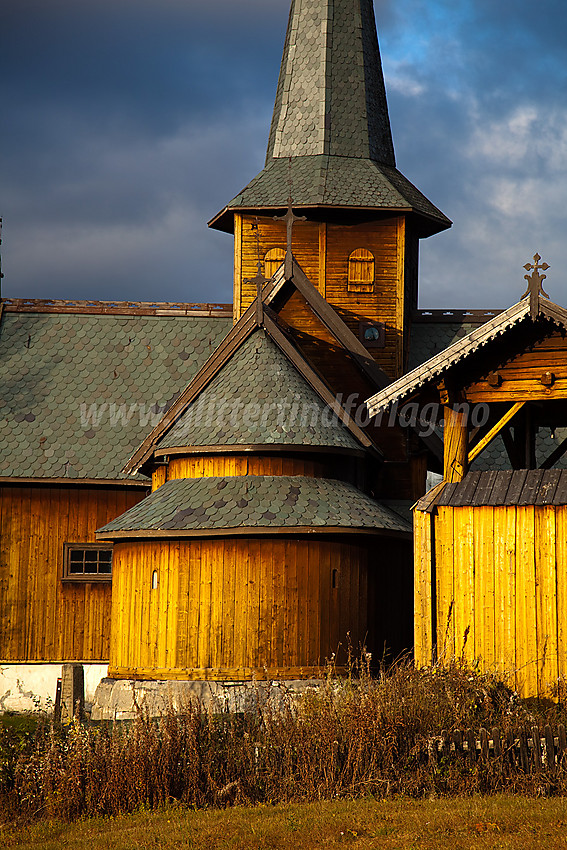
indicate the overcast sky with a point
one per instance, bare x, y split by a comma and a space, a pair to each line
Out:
127, 124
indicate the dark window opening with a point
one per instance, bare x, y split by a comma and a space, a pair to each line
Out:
87, 562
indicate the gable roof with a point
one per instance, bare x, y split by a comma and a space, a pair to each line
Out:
238, 504
248, 324
258, 398
439, 364
280, 287
82, 382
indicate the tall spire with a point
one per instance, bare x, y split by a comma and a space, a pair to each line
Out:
331, 97
331, 119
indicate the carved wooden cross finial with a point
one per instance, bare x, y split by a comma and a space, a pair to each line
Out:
535, 283
259, 279
290, 218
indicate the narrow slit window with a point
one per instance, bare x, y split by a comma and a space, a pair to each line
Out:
272, 261
335, 579
361, 271
154, 580
87, 562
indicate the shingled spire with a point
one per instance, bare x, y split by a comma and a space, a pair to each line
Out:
331, 97
331, 118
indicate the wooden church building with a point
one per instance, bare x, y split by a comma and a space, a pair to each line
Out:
198, 493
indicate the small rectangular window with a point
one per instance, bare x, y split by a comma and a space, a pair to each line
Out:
87, 562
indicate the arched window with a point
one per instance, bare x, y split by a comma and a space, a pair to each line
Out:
361, 271
272, 261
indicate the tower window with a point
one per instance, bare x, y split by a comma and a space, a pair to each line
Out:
361, 271
272, 261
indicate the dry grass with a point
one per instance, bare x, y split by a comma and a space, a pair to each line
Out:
354, 738
481, 823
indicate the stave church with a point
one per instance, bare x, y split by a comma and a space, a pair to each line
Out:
194, 497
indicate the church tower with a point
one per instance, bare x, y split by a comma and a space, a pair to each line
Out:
330, 150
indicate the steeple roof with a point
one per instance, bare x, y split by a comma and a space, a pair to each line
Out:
331, 97
331, 119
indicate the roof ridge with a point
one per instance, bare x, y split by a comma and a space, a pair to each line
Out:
149, 308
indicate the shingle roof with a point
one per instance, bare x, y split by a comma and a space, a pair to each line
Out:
521, 487
263, 502
331, 118
331, 97
78, 391
258, 398
432, 331
335, 181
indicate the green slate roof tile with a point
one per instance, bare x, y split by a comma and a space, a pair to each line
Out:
335, 181
75, 400
331, 118
196, 504
331, 97
430, 338
258, 398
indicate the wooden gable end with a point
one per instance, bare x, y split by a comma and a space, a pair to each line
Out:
536, 373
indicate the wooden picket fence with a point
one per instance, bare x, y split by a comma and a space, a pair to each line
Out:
527, 750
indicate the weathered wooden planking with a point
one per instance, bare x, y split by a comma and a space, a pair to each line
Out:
224, 606
47, 619
423, 622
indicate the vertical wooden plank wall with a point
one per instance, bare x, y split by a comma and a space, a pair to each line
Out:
47, 619
236, 608
323, 251
500, 578
423, 638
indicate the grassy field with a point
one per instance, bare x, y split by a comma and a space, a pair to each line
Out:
521, 823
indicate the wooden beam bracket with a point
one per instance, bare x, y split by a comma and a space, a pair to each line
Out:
494, 431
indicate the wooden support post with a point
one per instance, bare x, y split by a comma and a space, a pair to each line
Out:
455, 438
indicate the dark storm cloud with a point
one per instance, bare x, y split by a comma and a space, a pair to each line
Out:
132, 122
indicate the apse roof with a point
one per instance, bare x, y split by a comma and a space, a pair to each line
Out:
258, 397
266, 502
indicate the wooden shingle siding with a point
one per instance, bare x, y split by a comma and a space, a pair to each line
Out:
44, 618
500, 598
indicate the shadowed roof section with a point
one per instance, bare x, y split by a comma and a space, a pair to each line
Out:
331, 119
192, 505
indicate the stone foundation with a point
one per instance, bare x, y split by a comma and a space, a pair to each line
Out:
121, 699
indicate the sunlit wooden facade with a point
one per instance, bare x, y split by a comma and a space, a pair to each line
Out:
490, 546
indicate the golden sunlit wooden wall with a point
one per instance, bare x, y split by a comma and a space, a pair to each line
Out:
44, 618
235, 608
323, 251
499, 591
